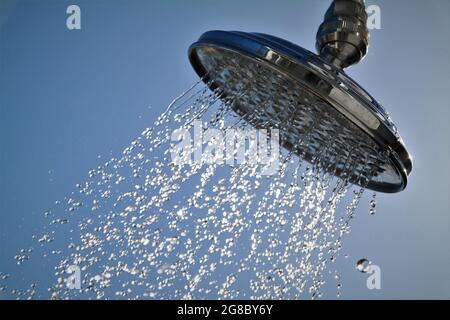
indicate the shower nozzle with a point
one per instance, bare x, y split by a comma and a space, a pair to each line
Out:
322, 114
343, 37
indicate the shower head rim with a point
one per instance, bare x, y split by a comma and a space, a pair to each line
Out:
279, 53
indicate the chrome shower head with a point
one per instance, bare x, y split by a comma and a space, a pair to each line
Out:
322, 114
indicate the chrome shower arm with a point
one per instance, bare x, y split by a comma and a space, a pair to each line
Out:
343, 37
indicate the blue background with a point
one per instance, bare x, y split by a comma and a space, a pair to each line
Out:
71, 99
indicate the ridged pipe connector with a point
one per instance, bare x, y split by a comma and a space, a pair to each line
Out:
343, 37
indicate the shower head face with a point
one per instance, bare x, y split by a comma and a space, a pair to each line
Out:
322, 115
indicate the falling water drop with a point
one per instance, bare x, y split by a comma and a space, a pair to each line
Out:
363, 265
373, 204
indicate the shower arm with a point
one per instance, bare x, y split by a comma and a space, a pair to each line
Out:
343, 37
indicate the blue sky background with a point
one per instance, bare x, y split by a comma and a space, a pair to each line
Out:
70, 97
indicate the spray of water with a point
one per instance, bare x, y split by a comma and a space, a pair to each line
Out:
143, 226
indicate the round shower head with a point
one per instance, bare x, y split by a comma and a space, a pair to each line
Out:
323, 115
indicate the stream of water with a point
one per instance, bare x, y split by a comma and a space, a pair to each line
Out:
225, 216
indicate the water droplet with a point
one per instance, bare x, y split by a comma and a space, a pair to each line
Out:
363, 265
373, 204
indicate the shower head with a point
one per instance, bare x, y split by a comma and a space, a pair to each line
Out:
322, 114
